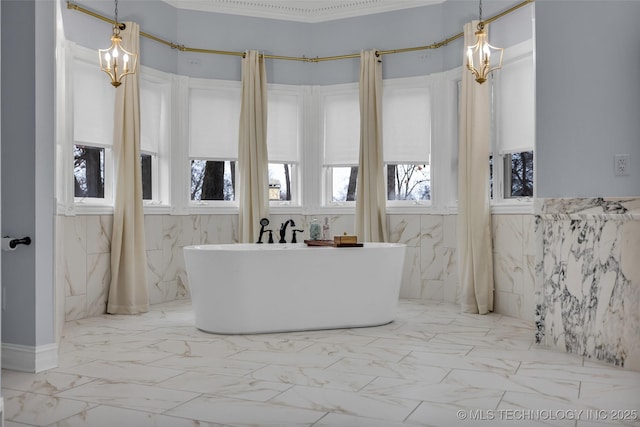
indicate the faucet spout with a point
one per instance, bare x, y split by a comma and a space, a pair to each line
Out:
283, 230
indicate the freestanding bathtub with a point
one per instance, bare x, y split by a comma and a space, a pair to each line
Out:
248, 288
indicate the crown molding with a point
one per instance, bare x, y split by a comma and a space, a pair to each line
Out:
308, 11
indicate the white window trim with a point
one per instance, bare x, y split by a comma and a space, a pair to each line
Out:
68, 204
312, 189
500, 204
161, 160
199, 207
298, 183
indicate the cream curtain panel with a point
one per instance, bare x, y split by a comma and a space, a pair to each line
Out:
128, 291
474, 215
371, 216
253, 163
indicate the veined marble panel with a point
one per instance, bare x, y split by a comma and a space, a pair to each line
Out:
431, 247
99, 230
588, 279
75, 255
404, 229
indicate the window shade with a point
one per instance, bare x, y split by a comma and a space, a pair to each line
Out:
154, 115
283, 127
516, 106
93, 105
214, 119
406, 129
341, 129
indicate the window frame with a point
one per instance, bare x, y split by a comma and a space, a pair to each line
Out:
71, 204
297, 167
161, 160
203, 206
500, 202
427, 83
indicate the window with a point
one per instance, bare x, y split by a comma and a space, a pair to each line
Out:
514, 101
214, 114
284, 127
518, 172
407, 140
341, 141
93, 104
88, 171
155, 135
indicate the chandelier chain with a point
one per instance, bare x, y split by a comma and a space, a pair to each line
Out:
116, 2
480, 7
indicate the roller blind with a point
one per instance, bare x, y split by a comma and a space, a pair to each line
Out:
516, 130
283, 126
93, 105
341, 128
154, 114
214, 117
406, 129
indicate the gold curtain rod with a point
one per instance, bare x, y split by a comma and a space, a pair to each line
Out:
183, 48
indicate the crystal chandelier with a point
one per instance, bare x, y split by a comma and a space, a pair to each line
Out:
116, 61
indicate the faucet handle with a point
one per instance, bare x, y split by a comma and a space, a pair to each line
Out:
293, 235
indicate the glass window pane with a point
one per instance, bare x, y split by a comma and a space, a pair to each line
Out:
213, 180
88, 171
147, 188
408, 182
343, 183
521, 172
280, 181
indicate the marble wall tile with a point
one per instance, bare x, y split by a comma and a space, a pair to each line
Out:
451, 286
450, 239
98, 282
340, 224
219, 229
431, 247
508, 303
433, 290
411, 285
75, 255
153, 228
404, 229
588, 280
75, 307
507, 253
99, 228
430, 271
155, 284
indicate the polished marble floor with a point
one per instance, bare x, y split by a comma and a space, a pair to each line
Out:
431, 367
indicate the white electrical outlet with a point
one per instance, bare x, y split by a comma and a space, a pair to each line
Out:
621, 164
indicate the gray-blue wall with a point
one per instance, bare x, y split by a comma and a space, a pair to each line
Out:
392, 30
28, 44
587, 97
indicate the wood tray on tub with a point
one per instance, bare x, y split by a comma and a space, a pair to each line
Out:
333, 243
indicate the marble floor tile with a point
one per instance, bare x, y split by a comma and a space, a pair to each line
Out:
313, 377
242, 412
38, 409
226, 386
128, 395
109, 416
156, 369
348, 403
122, 371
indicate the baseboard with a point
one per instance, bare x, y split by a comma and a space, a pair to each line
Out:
27, 358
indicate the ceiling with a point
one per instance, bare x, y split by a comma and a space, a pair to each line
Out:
300, 10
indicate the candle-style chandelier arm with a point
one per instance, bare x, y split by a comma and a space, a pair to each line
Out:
116, 61
479, 55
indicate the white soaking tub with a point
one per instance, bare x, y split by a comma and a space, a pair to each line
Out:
248, 288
